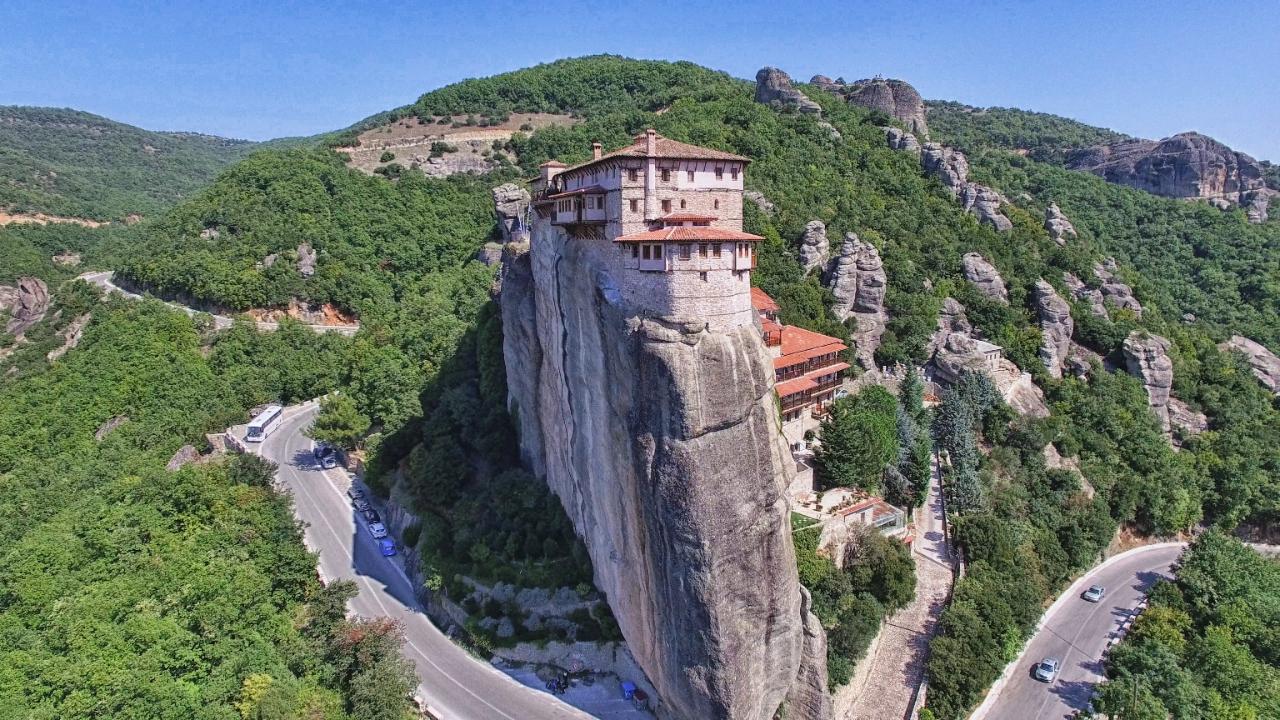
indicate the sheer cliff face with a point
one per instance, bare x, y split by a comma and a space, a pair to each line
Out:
661, 442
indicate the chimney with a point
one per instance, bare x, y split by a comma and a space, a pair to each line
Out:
650, 142
596, 150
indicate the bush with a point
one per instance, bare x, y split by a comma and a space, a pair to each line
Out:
387, 156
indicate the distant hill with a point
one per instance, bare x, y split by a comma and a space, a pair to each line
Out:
76, 164
1041, 136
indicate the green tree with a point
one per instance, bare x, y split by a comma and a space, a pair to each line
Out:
339, 423
858, 440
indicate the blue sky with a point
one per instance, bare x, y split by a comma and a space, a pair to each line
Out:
267, 69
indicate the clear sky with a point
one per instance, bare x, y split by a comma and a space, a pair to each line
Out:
271, 68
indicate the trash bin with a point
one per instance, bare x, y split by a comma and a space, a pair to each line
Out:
641, 700
628, 690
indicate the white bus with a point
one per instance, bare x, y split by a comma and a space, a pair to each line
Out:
264, 424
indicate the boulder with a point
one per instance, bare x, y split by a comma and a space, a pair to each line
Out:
1114, 290
760, 201
985, 276
858, 282
1059, 227
306, 260
951, 319
185, 455
1083, 292
1147, 358
949, 166
961, 354
984, 203
815, 249
27, 304
773, 88
826, 83
1056, 327
1187, 165
895, 98
511, 206
899, 139
1263, 362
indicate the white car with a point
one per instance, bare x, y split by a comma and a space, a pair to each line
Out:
378, 530
1094, 593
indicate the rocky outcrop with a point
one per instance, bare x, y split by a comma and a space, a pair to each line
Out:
960, 354
109, 426
1257, 204
951, 319
306, 260
26, 303
985, 203
511, 205
1147, 358
1187, 165
70, 335
858, 282
1181, 416
895, 98
1263, 362
949, 166
490, 253
985, 276
661, 441
1114, 290
1059, 227
759, 200
773, 88
185, 455
1056, 327
66, 259
815, 249
899, 139
1082, 292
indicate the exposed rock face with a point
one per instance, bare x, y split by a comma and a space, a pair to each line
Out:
901, 140
948, 165
1187, 165
1080, 291
306, 260
661, 442
961, 353
1056, 327
985, 276
1263, 362
858, 282
70, 337
773, 88
1060, 228
815, 249
186, 455
985, 203
951, 319
27, 304
1147, 358
895, 98
490, 253
1258, 204
1114, 289
757, 197
511, 205
107, 427
66, 259
1189, 421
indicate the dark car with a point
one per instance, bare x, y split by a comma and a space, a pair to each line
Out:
360, 504
372, 515
326, 456
355, 493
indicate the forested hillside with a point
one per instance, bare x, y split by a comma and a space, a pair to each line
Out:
427, 367
71, 163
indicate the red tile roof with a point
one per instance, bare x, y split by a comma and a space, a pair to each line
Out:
687, 217
664, 148
680, 233
761, 301
800, 345
796, 385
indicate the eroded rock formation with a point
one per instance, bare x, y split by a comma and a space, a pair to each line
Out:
306, 260
1114, 290
1056, 327
1060, 228
954, 351
1258, 205
858, 282
1080, 291
1147, 358
901, 140
985, 277
759, 200
1187, 165
895, 98
773, 88
27, 303
661, 442
985, 204
950, 166
1263, 362
815, 249
951, 319
511, 205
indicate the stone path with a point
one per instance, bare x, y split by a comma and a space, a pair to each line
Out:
895, 665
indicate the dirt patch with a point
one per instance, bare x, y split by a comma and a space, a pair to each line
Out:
326, 314
43, 219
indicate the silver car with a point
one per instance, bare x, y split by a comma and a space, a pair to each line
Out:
1047, 669
378, 530
1094, 593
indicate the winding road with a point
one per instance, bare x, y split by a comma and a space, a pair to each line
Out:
455, 685
1076, 632
104, 280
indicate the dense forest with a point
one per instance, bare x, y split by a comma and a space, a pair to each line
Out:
426, 368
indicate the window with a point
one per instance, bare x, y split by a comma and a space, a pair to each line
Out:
647, 251
635, 250
703, 275
682, 205
666, 176
657, 252
666, 206
633, 175
702, 251
690, 176
733, 172
686, 251
635, 206
719, 173
717, 204
715, 249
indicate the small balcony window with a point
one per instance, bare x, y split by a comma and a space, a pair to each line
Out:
719, 173
733, 172
635, 251
647, 252
686, 251
666, 206
635, 206
715, 249
666, 176
690, 175
633, 175
702, 250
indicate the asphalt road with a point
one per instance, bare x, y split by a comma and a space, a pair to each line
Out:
455, 685
1076, 632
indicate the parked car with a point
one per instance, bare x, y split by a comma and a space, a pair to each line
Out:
372, 515
326, 456
387, 546
841, 393
361, 504
355, 493
378, 530
1094, 593
1047, 669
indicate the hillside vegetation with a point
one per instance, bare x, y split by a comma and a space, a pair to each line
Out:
72, 163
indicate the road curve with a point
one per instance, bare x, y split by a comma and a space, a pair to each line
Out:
1076, 632
104, 280
455, 685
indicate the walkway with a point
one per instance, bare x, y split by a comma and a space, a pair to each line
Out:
894, 667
